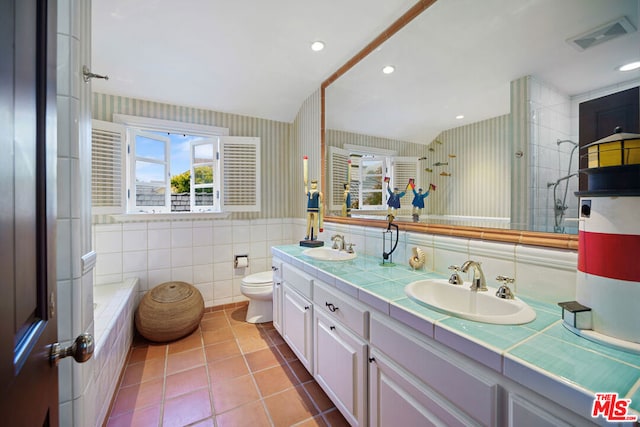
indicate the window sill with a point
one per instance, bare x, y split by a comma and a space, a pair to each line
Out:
169, 216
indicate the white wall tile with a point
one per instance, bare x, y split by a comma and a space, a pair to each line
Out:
108, 242
182, 274
134, 261
203, 236
109, 263
223, 271
202, 273
181, 257
159, 259
157, 277
134, 240
181, 237
202, 255
158, 238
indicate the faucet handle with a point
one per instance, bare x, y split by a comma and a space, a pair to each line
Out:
455, 278
504, 291
350, 248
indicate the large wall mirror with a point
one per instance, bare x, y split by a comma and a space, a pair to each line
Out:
485, 99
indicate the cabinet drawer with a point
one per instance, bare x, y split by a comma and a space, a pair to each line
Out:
342, 308
297, 279
452, 375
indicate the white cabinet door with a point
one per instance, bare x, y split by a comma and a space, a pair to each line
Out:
297, 324
277, 305
340, 367
396, 398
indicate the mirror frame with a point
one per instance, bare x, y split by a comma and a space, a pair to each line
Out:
550, 240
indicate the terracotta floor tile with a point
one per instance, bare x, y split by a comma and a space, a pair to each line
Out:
185, 382
194, 340
214, 323
237, 315
233, 393
251, 344
187, 408
186, 360
141, 354
300, 371
226, 373
289, 407
145, 417
250, 415
209, 422
263, 359
138, 396
227, 368
274, 380
286, 352
246, 330
221, 350
318, 396
275, 337
316, 421
218, 335
335, 419
144, 371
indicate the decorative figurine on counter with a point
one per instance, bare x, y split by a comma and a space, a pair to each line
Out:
346, 201
314, 209
418, 201
346, 196
393, 202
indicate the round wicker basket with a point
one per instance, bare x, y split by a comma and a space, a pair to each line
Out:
169, 311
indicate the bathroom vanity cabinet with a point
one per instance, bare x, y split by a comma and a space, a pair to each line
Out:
276, 267
297, 313
379, 371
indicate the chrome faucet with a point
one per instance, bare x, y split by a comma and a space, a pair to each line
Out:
478, 283
335, 239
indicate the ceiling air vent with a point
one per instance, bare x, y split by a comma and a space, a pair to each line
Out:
604, 33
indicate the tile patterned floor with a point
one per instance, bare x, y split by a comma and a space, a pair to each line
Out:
227, 373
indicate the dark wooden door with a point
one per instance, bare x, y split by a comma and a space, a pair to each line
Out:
599, 117
28, 381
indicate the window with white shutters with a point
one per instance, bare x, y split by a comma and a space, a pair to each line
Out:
143, 165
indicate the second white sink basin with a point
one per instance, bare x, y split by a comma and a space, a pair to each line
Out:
459, 301
327, 254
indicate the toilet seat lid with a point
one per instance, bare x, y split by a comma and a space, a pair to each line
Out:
262, 278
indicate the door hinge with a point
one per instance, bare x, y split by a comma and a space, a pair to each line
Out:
52, 305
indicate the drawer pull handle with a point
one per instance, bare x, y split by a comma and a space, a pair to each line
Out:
306, 307
333, 328
372, 359
332, 308
274, 268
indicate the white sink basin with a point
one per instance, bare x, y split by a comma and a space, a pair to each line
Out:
459, 301
327, 254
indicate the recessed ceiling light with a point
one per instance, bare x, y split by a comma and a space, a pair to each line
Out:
459, 117
388, 69
317, 46
630, 66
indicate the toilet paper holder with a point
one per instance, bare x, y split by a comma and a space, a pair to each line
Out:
241, 261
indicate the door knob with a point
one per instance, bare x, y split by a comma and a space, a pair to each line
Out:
81, 350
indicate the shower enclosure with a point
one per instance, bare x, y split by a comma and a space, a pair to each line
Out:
561, 188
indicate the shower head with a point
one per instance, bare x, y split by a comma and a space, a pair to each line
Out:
560, 141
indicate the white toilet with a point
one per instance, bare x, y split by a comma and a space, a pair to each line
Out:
258, 287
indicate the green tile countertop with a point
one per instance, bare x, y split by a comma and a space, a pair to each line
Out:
542, 355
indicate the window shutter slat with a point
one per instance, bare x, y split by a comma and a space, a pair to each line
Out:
338, 175
107, 168
240, 163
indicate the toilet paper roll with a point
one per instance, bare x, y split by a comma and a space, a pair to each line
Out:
242, 261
